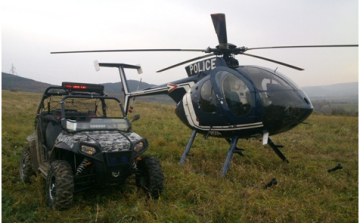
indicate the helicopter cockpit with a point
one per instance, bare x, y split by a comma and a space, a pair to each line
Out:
284, 104
224, 98
249, 94
236, 94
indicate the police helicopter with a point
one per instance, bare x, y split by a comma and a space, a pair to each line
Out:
221, 98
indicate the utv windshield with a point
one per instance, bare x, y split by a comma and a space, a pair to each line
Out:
98, 113
97, 124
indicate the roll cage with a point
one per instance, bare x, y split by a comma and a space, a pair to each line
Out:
65, 106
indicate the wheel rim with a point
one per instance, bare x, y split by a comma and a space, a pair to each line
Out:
52, 188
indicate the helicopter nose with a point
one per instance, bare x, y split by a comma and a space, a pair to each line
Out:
285, 110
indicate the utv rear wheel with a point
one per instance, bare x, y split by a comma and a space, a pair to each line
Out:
151, 178
25, 169
60, 185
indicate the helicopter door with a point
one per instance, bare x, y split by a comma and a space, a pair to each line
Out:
235, 95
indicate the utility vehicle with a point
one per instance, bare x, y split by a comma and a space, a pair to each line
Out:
83, 139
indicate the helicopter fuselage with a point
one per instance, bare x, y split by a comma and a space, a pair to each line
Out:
247, 101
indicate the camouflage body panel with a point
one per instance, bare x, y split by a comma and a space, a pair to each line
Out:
110, 141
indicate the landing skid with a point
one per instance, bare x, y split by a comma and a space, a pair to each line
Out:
226, 166
188, 146
277, 151
233, 149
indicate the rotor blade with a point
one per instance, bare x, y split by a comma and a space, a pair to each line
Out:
274, 61
304, 46
220, 28
184, 62
132, 50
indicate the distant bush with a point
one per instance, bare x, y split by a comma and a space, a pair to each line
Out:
335, 108
338, 111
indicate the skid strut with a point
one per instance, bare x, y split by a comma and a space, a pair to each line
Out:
188, 146
226, 166
277, 151
236, 150
233, 149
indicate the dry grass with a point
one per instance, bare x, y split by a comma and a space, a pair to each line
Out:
305, 192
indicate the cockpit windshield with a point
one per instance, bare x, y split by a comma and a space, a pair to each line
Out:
265, 80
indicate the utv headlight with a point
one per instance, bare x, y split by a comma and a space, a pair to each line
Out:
88, 149
139, 147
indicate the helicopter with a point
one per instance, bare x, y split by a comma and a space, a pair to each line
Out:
221, 98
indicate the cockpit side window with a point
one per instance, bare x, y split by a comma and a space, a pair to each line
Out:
207, 101
236, 94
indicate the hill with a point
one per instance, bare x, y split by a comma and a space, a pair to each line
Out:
346, 92
337, 92
16, 83
133, 85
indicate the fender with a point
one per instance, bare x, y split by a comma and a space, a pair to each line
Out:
59, 148
32, 142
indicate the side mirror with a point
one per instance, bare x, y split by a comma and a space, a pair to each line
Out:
136, 117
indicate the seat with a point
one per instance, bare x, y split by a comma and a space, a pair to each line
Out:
51, 133
233, 101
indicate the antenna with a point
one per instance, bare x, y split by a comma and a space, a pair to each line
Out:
13, 69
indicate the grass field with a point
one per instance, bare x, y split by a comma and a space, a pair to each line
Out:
305, 192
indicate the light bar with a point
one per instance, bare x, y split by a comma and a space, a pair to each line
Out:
77, 87
83, 87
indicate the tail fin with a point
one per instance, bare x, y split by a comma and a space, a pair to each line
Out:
121, 68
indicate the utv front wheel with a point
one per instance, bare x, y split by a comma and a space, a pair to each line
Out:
25, 169
151, 177
60, 185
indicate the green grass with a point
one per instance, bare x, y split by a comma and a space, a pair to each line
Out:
194, 192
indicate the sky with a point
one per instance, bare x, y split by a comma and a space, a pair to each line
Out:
33, 29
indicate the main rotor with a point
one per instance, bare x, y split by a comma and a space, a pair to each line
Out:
225, 49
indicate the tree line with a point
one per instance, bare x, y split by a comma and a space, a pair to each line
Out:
335, 108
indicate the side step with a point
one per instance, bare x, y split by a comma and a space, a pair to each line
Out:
44, 169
